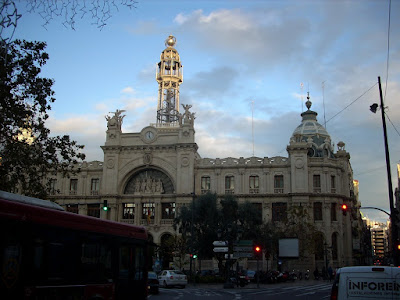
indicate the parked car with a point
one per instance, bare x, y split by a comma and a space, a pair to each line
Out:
152, 283
251, 275
169, 278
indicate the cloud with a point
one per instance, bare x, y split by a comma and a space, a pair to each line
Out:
128, 90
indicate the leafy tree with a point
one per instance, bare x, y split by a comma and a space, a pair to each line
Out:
207, 218
28, 152
177, 245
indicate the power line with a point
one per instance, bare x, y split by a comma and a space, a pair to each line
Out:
392, 123
353, 101
388, 48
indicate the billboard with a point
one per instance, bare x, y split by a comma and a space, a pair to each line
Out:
289, 248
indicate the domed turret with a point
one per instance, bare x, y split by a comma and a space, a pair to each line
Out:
313, 133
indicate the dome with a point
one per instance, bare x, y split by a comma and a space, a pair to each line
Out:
310, 131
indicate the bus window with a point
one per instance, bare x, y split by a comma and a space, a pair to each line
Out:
139, 260
96, 262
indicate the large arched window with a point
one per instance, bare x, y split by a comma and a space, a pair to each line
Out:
149, 181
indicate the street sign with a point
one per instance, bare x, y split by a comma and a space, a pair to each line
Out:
242, 243
242, 254
243, 249
221, 249
220, 243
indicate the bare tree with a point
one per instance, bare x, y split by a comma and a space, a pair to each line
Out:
99, 11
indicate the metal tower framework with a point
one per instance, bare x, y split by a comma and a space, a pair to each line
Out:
169, 76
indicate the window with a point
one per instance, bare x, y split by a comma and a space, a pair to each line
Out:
317, 183
168, 210
317, 211
205, 184
128, 211
279, 211
95, 186
333, 184
229, 184
278, 184
73, 186
254, 187
258, 209
319, 247
53, 186
73, 208
333, 212
148, 212
334, 246
93, 210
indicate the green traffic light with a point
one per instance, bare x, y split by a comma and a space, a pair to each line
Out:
105, 208
194, 256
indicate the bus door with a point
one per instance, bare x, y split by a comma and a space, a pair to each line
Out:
132, 276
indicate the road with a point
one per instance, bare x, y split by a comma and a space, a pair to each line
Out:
312, 290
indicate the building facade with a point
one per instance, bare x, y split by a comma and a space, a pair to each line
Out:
146, 176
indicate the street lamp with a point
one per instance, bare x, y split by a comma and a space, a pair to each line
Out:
393, 216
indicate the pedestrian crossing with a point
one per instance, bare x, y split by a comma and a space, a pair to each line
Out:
298, 291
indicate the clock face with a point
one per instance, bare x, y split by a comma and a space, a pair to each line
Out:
149, 135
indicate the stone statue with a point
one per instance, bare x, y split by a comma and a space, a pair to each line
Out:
188, 117
116, 120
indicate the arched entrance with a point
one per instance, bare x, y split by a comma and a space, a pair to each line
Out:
165, 252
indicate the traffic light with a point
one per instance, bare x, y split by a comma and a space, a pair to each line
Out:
194, 256
344, 209
257, 251
105, 205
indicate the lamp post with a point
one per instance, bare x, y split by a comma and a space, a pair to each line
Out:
228, 284
393, 215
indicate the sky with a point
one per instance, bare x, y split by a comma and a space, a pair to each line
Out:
248, 66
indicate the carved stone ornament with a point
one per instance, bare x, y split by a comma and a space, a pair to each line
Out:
147, 158
185, 162
299, 163
110, 163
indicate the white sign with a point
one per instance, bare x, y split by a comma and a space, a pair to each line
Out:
221, 249
220, 243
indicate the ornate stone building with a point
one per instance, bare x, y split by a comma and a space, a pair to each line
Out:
147, 175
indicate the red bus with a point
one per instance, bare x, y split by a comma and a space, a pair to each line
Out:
47, 253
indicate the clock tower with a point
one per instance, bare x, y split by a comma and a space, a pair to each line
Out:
169, 76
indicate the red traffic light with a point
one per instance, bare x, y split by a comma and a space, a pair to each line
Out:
344, 209
257, 249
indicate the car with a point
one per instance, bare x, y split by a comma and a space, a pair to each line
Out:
169, 278
152, 283
251, 275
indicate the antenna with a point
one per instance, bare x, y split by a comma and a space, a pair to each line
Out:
301, 94
252, 123
323, 100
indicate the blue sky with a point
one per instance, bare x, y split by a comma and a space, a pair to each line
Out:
233, 53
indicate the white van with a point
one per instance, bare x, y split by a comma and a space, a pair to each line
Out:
366, 283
